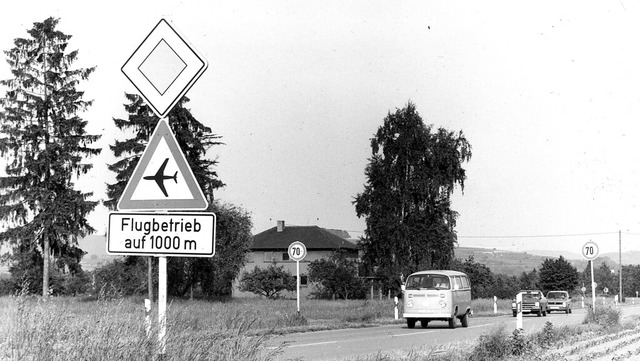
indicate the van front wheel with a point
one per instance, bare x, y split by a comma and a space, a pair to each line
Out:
452, 322
411, 322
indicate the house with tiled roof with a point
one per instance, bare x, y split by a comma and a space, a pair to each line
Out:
272, 246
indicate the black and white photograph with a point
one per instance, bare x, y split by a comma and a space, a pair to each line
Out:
320, 180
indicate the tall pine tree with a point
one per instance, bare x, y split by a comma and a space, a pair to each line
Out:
411, 175
44, 141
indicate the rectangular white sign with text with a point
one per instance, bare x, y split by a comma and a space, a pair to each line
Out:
162, 234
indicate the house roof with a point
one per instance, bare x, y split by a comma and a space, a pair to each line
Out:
313, 237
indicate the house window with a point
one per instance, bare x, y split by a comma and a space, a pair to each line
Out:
271, 256
276, 256
304, 280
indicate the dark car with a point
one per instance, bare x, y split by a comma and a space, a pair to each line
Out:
533, 301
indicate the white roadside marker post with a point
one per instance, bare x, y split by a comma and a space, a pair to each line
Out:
519, 323
147, 317
395, 307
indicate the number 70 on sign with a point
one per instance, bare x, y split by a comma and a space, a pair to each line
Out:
297, 251
590, 251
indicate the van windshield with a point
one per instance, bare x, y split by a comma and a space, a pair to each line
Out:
429, 282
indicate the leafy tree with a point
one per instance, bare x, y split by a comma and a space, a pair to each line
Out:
558, 274
412, 172
480, 276
630, 280
44, 139
505, 287
337, 277
268, 282
213, 277
529, 281
603, 276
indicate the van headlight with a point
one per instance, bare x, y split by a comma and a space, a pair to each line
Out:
513, 305
537, 304
410, 304
443, 304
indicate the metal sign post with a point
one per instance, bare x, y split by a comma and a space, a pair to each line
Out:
163, 68
162, 305
297, 252
593, 290
590, 252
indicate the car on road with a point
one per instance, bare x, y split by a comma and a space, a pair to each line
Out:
533, 301
440, 295
559, 301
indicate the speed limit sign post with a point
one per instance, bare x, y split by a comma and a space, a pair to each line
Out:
590, 252
297, 252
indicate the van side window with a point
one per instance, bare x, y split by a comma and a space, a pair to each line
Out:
465, 282
457, 283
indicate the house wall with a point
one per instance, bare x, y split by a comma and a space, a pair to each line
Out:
257, 258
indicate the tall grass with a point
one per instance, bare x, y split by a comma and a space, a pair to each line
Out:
603, 316
114, 329
484, 306
68, 329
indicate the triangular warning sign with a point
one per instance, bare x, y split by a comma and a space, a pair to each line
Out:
162, 179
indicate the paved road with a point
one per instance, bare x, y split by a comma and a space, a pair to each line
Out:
344, 344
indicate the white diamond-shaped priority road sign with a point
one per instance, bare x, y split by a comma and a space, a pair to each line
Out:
162, 179
164, 67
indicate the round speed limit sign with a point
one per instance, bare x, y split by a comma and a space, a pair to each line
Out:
590, 251
297, 251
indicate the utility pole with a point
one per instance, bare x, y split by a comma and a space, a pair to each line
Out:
620, 298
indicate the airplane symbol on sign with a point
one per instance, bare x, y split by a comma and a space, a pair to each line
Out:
159, 177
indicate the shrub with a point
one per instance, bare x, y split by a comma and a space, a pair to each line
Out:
268, 282
497, 345
519, 343
122, 276
547, 336
604, 316
492, 346
337, 277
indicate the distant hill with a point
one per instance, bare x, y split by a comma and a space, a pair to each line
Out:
628, 258
556, 254
512, 263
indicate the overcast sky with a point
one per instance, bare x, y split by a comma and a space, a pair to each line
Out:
546, 92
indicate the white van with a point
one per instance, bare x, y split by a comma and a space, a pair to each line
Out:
437, 296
